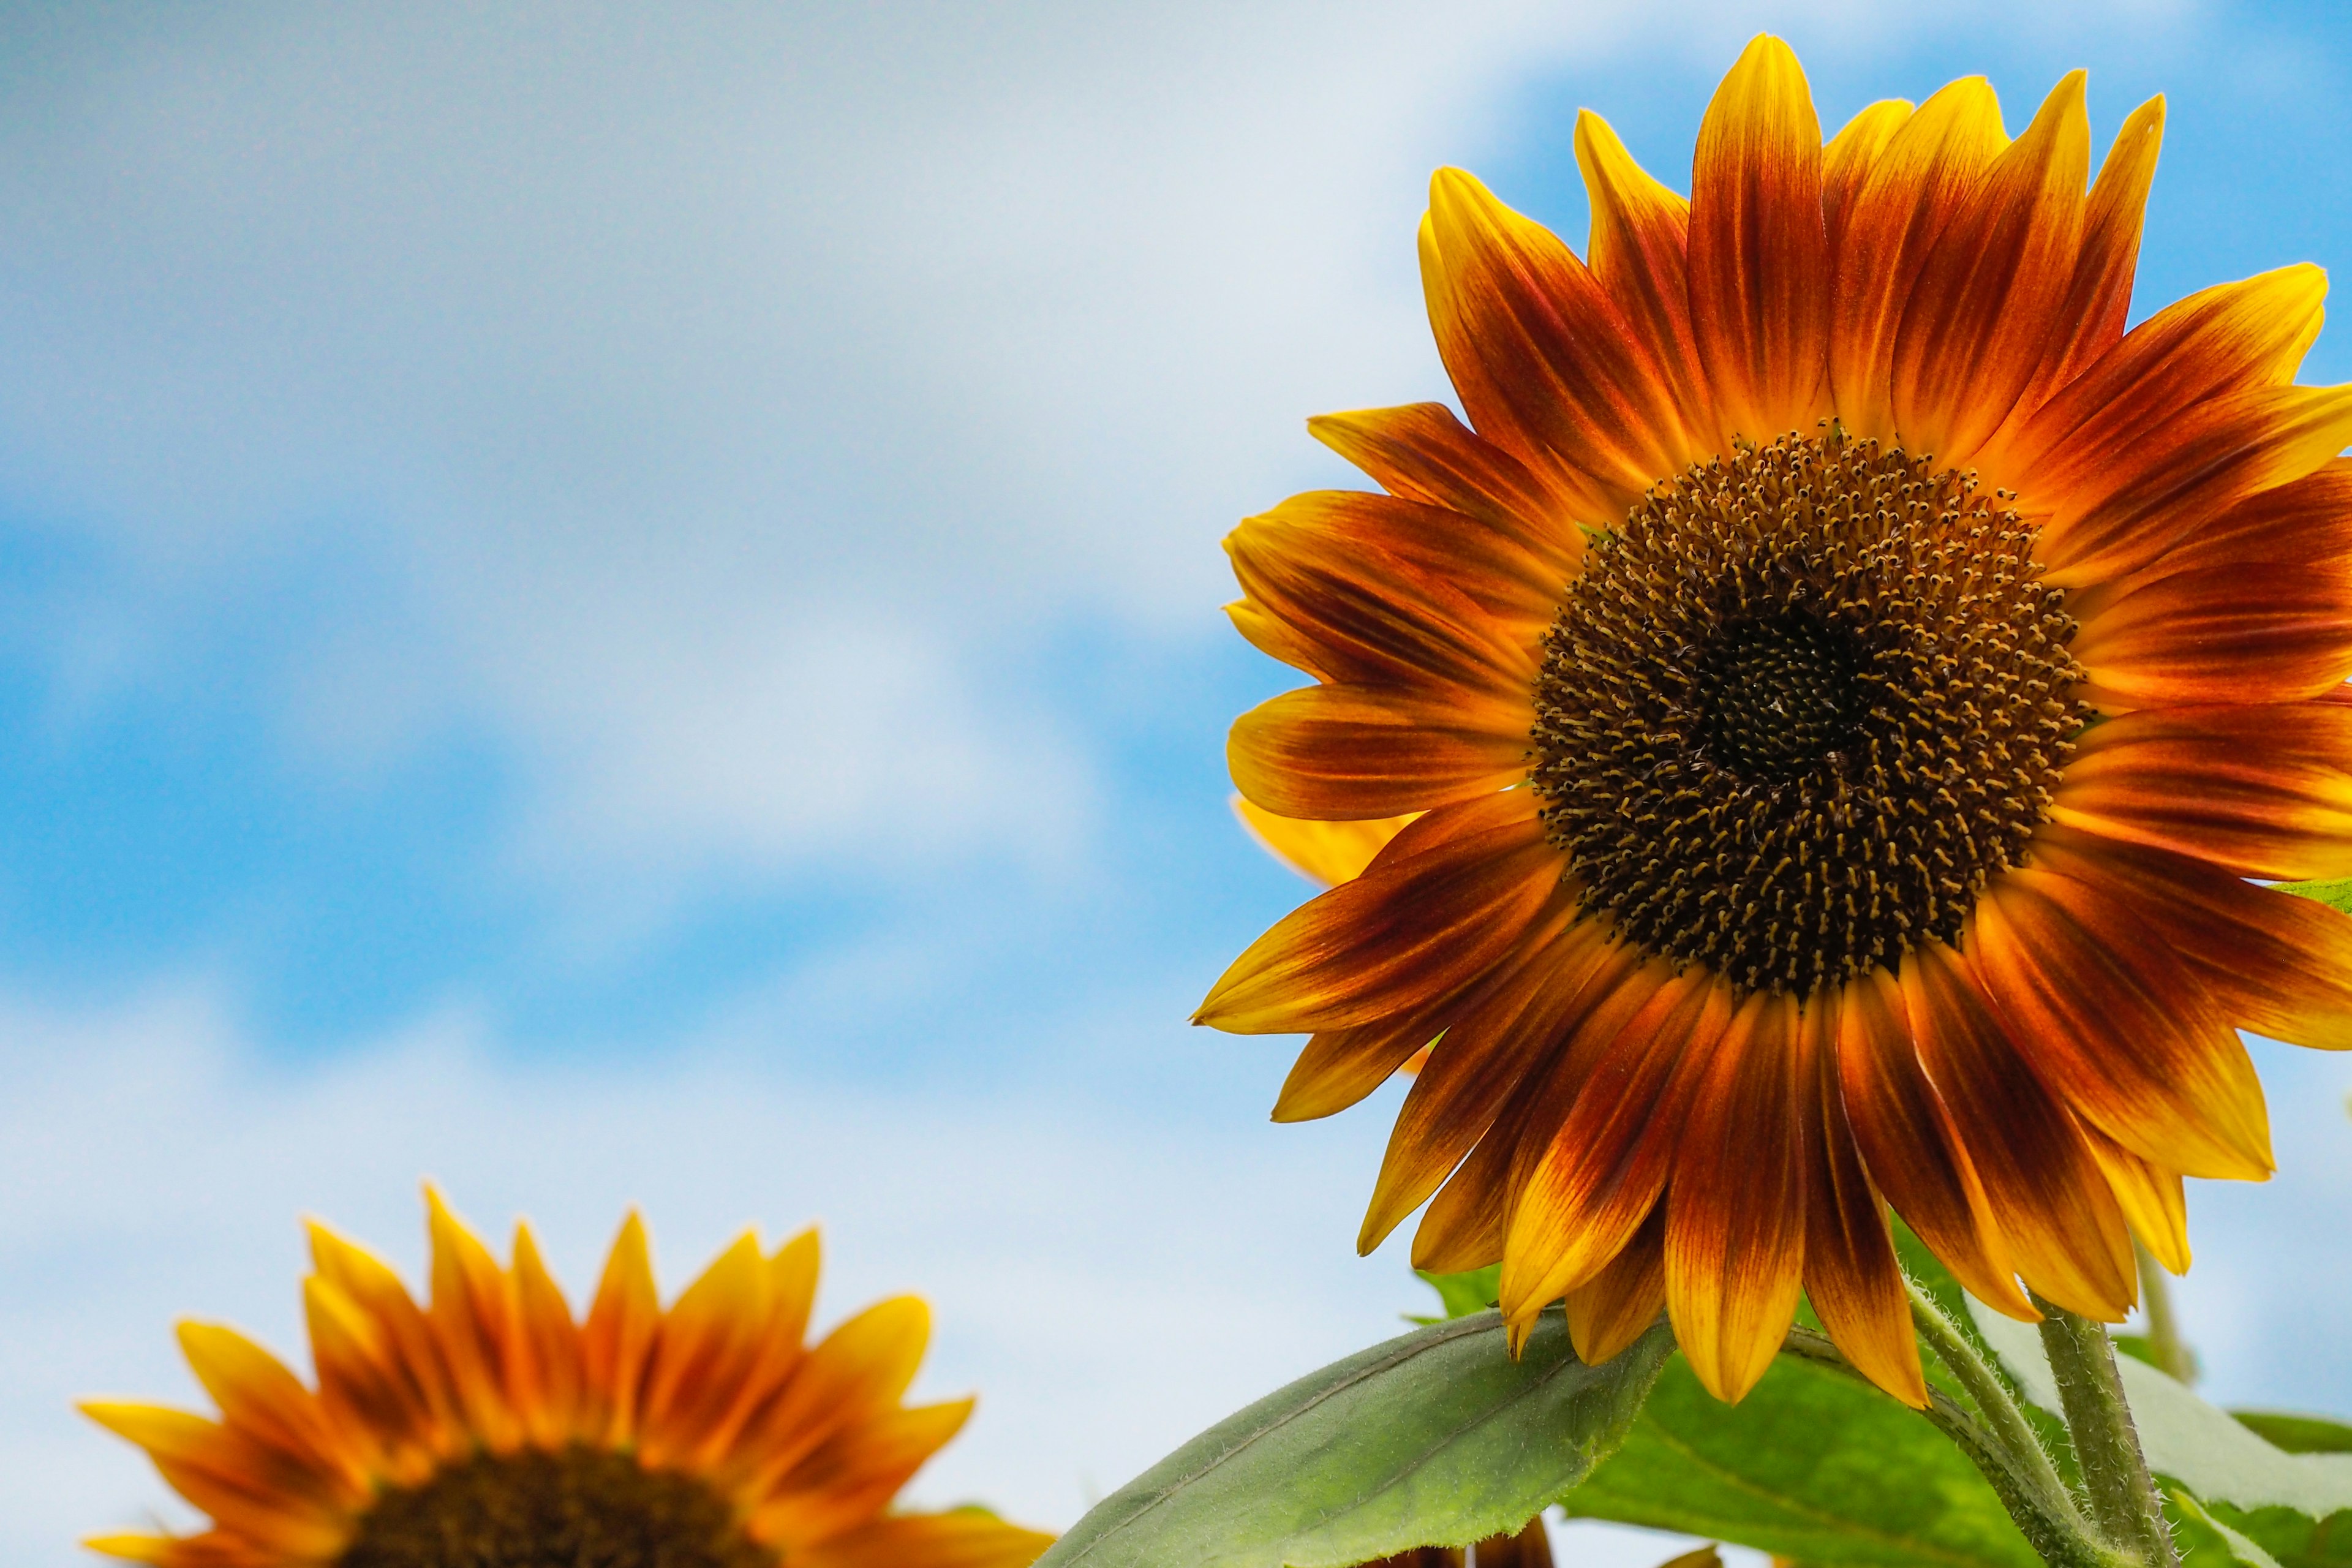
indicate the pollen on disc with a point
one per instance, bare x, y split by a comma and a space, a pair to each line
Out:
1800, 707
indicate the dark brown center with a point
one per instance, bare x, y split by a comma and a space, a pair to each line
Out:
1795, 711
577, 1508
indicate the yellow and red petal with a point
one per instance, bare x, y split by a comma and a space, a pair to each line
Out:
1736, 1206
2198, 464
2262, 791
1421, 452
2058, 1215
1911, 1143
2276, 964
1759, 262
1347, 752
1640, 251
965, 1538
2229, 339
2091, 320
1450, 896
1542, 361
2254, 632
1613, 1309
1927, 175
1495, 1040
1981, 312
1636, 1060
2127, 1038
1852, 1275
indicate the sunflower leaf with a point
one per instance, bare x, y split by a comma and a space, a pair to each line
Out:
2336, 892
1810, 1466
2298, 1507
1436, 1438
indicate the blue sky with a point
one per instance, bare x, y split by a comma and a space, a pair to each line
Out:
612, 611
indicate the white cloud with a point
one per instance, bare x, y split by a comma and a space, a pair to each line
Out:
655, 372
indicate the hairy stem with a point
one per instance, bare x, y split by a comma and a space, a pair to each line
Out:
2002, 1416
2123, 1497
2163, 1329
2048, 1521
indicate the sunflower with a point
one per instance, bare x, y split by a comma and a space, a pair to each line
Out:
1853, 690
489, 1429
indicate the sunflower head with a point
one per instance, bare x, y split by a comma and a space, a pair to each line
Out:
1811, 742
491, 1428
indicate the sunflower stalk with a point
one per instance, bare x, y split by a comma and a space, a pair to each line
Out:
2000, 1411
2122, 1495
2043, 1509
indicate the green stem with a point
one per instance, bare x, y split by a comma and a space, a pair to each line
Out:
2123, 1497
2163, 1329
2001, 1413
2050, 1522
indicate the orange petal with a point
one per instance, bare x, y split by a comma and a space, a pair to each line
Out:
618, 1337
711, 1339
855, 1373
406, 1347
2091, 321
2231, 338
2150, 1197
1495, 1039
474, 1315
1639, 248
1736, 1209
1329, 853
364, 1388
1592, 1184
1848, 159
262, 1400
2056, 1211
1760, 273
1851, 1275
1905, 1131
1927, 173
1544, 365
246, 1488
1389, 592
1340, 1067
1984, 306
1421, 452
2262, 791
1445, 902
549, 1398
2254, 632
2130, 1042
966, 1538
2278, 965
852, 1478
1616, 1306
2199, 463
1347, 752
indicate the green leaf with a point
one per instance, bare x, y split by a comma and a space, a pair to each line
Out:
2335, 892
2295, 1505
2205, 1541
1464, 1294
2298, 1434
1435, 1438
1811, 1465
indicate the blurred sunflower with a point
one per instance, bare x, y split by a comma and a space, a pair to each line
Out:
488, 1430
1845, 681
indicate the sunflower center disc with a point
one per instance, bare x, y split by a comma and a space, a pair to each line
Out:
1800, 707
579, 1507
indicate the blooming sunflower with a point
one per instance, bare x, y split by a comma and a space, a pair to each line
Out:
1847, 682
489, 1429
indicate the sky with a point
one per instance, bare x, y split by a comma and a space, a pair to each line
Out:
607, 605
